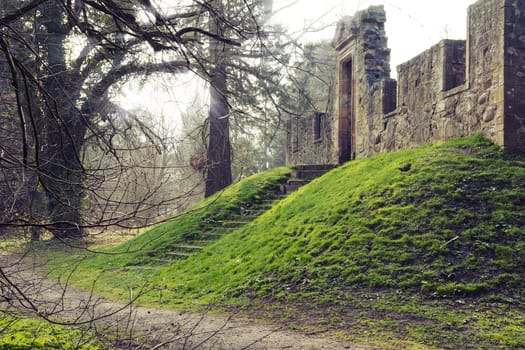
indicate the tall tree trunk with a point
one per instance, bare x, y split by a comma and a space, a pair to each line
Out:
62, 173
218, 173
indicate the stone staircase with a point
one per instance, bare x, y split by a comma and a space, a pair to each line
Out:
303, 174
217, 229
193, 244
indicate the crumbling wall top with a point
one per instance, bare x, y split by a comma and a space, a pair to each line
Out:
349, 26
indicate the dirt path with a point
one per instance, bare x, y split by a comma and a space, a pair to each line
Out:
160, 329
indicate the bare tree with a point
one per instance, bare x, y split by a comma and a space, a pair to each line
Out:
218, 166
63, 100
71, 159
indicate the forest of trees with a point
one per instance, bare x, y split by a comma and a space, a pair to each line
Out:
74, 162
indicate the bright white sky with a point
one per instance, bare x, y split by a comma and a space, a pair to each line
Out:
412, 26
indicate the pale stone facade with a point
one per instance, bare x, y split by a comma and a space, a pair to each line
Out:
455, 88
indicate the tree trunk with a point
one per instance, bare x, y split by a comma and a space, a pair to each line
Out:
62, 173
218, 173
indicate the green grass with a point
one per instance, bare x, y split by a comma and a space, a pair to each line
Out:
22, 333
425, 246
146, 250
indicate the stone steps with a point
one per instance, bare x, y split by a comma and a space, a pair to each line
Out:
308, 174
219, 228
211, 235
251, 217
314, 167
142, 267
202, 242
216, 229
291, 187
188, 246
230, 223
303, 174
179, 254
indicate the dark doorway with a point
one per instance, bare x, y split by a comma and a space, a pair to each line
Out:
346, 112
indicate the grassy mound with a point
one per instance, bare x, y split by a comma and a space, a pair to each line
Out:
433, 235
131, 265
444, 220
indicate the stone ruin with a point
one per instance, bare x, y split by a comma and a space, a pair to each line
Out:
455, 88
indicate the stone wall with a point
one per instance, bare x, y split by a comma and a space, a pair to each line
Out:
309, 140
514, 75
455, 88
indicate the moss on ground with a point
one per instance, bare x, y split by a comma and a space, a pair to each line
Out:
425, 245
22, 333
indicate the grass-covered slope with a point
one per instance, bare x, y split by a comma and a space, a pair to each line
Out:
140, 257
405, 234
442, 221
201, 218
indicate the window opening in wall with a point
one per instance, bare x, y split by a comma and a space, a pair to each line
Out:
454, 65
295, 134
318, 124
